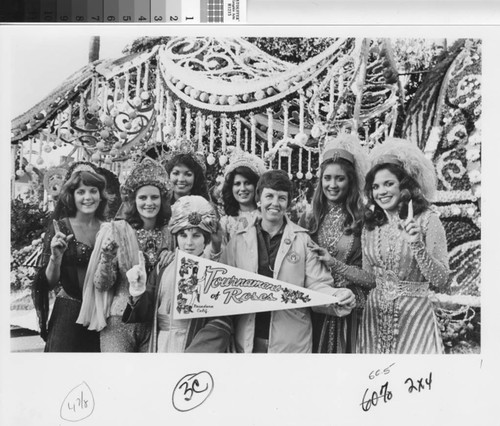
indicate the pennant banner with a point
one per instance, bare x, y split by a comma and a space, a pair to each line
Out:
204, 288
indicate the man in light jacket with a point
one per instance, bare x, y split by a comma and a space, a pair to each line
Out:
275, 247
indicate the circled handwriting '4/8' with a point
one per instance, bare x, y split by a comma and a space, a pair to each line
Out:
78, 404
192, 390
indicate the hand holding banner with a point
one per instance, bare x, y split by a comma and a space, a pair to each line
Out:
204, 288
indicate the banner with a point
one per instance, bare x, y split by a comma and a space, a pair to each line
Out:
204, 288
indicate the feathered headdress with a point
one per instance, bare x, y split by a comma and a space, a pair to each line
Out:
147, 172
408, 156
240, 158
348, 147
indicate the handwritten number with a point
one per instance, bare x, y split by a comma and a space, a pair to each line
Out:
429, 381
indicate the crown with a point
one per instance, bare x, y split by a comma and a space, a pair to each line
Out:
147, 172
240, 158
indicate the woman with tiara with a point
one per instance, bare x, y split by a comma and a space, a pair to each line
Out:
335, 224
68, 245
404, 246
238, 192
120, 245
192, 225
187, 176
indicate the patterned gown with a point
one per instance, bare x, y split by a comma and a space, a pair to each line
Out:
332, 334
399, 317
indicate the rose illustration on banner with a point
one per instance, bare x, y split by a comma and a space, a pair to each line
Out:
187, 286
291, 296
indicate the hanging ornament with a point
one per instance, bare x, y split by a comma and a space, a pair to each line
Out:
188, 123
246, 140
138, 81
300, 175
309, 174
223, 125
269, 112
253, 128
212, 130
210, 159
201, 130
178, 119
238, 131
285, 105
222, 160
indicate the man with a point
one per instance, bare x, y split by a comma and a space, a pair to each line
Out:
275, 247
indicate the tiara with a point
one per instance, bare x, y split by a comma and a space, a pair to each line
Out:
147, 172
390, 159
348, 147
184, 146
240, 158
338, 153
80, 166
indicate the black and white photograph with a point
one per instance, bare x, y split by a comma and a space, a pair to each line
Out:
271, 218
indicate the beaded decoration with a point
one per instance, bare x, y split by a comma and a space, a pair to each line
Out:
147, 172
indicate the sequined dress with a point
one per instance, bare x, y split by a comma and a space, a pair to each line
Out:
62, 333
399, 316
110, 276
333, 334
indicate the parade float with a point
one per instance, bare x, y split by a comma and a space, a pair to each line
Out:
278, 99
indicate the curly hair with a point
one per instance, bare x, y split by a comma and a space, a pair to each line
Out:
377, 217
66, 200
200, 182
351, 205
133, 217
231, 206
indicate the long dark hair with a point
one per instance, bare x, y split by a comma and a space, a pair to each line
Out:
133, 217
351, 204
66, 200
200, 182
374, 214
231, 206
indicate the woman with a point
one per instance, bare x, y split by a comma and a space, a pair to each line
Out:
408, 256
193, 222
117, 251
68, 245
238, 192
335, 225
187, 176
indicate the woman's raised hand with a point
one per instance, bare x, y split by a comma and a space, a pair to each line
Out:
412, 230
137, 277
58, 245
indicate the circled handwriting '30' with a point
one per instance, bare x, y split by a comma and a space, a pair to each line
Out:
192, 390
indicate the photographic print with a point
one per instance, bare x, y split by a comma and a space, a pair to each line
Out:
260, 225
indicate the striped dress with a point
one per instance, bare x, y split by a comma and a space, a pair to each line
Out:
399, 316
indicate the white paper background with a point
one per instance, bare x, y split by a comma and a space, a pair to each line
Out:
135, 389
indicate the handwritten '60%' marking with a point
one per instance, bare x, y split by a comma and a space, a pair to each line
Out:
78, 404
385, 394
192, 391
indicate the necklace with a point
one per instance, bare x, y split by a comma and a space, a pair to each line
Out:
150, 241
